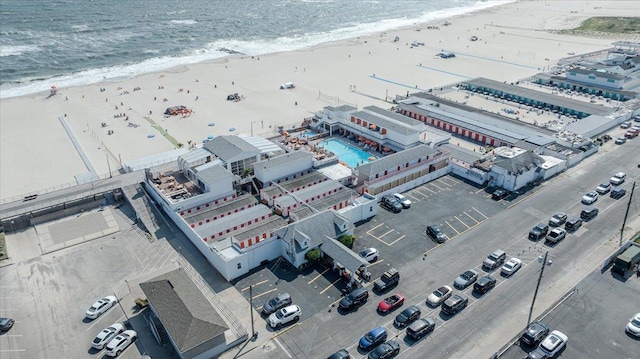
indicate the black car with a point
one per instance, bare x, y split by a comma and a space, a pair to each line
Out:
421, 327
589, 213
558, 219
6, 324
385, 350
391, 203
618, 193
436, 234
407, 316
340, 354
354, 299
573, 224
538, 232
534, 334
499, 194
455, 304
484, 284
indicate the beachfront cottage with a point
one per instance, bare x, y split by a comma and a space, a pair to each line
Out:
514, 168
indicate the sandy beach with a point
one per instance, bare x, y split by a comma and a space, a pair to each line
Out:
513, 43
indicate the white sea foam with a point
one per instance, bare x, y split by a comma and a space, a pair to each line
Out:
183, 22
211, 51
17, 50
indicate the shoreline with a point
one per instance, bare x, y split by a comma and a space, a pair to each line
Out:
361, 71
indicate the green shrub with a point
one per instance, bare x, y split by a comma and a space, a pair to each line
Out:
347, 240
313, 255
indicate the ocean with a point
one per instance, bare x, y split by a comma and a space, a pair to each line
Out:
78, 42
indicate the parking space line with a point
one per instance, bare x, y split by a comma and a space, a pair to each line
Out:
429, 189
473, 219
452, 179
450, 226
376, 262
420, 193
459, 220
384, 234
280, 345
482, 214
443, 182
330, 285
12, 350
97, 320
480, 190
255, 284
376, 227
413, 197
390, 244
433, 184
318, 276
263, 293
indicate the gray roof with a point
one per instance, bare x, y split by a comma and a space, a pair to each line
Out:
183, 310
517, 163
343, 108
308, 193
382, 122
396, 159
602, 74
542, 97
227, 147
586, 125
340, 253
563, 79
315, 227
283, 160
462, 154
215, 174
393, 115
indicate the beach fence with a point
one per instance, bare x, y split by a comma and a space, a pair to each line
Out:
334, 100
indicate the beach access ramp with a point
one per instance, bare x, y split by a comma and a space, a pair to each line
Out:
146, 211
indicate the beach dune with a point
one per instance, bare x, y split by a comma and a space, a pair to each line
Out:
121, 120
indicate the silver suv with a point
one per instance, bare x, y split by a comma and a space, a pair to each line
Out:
494, 260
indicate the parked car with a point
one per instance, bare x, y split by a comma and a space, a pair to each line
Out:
466, 279
407, 316
340, 354
625, 125
603, 188
556, 235
285, 315
385, 350
101, 306
118, 344
590, 197
618, 193
512, 266
538, 232
404, 201
105, 336
391, 303
621, 140
484, 284
373, 338
391, 203
388, 279
6, 324
558, 219
633, 327
499, 194
421, 327
455, 304
618, 178
354, 299
494, 260
632, 133
553, 343
436, 234
439, 295
280, 301
370, 254
589, 213
573, 224
534, 333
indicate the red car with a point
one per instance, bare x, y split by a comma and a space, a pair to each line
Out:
632, 133
391, 303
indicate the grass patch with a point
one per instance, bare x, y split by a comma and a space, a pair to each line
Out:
611, 25
3, 248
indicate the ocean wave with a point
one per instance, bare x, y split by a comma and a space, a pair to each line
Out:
183, 22
17, 50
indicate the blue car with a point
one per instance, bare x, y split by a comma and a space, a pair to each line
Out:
373, 338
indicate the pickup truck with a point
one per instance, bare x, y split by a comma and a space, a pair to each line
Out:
389, 279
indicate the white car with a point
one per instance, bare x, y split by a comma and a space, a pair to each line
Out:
590, 197
100, 307
618, 178
106, 335
633, 327
511, 266
118, 344
553, 343
284, 316
556, 235
603, 188
406, 203
439, 295
370, 254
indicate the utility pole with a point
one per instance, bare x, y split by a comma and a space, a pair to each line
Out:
253, 331
626, 214
535, 294
108, 165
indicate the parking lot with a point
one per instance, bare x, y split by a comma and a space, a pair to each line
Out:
596, 313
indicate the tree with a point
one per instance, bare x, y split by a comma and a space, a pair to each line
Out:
347, 240
313, 255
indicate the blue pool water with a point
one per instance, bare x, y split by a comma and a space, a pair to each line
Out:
347, 153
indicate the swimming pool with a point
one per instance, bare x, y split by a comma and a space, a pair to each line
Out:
347, 153
309, 133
